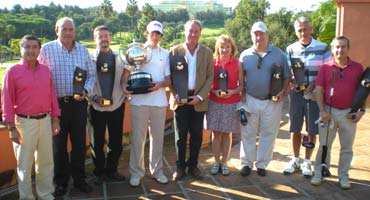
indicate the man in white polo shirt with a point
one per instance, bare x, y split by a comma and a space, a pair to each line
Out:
150, 109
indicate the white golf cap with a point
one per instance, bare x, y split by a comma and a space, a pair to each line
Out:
154, 26
259, 26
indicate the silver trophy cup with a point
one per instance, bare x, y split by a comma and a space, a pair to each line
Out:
135, 55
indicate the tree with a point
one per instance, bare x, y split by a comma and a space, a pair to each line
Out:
323, 21
147, 14
106, 9
211, 17
14, 46
132, 10
281, 29
246, 13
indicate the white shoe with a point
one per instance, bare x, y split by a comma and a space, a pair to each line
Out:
215, 168
162, 179
316, 180
292, 166
135, 181
306, 169
344, 183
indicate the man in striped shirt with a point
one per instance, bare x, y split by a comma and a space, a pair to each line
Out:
307, 54
63, 55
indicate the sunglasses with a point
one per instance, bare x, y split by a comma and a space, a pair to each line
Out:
341, 73
259, 64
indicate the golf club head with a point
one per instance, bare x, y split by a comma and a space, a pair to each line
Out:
243, 117
306, 142
325, 170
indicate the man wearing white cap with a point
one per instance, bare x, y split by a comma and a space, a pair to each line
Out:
150, 109
264, 108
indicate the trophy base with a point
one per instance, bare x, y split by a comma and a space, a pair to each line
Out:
223, 92
274, 98
76, 96
139, 82
107, 102
140, 90
301, 87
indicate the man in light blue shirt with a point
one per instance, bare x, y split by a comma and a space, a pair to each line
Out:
62, 56
264, 112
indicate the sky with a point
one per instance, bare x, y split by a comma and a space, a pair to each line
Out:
120, 5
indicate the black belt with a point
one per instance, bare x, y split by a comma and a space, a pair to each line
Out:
41, 116
191, 92
66, 99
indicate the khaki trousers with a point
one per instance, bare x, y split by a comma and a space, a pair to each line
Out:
264, 120
346, 131
141, 118
36, 147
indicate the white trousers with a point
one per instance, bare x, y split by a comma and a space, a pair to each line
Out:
36, 147
141, 118
264, 120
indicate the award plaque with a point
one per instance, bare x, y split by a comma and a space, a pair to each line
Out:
79, 79
299, 73
361, 94
106, 80
179, 76
276, 84
222, 76
135, 55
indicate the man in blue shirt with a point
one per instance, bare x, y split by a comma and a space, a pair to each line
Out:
264, 112
62, 56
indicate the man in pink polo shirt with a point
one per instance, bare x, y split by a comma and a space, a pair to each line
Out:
30, 110
341, 75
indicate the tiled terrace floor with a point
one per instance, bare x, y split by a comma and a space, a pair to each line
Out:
274, 186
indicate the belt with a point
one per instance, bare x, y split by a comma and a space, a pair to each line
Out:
40, 116
66, 99
191, 92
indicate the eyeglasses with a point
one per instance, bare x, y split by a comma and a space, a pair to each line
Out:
341, 73
259, 64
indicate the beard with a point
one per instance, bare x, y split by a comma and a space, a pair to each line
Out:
104, 44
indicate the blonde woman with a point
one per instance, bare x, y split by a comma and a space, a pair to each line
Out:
222, 119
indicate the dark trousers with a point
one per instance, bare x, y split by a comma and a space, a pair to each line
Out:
187, 120
72, 124
114, 121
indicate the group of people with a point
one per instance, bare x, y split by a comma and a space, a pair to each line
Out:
42, 112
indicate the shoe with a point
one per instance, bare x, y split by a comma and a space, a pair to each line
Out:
99, 180
316, 180
195, 173
215, 169
60, 190
83, 187
115, 177
178, 174
224, 170
261, 172
246, 170
292, 166
344, 184
162, 179
306, 169
135, 181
